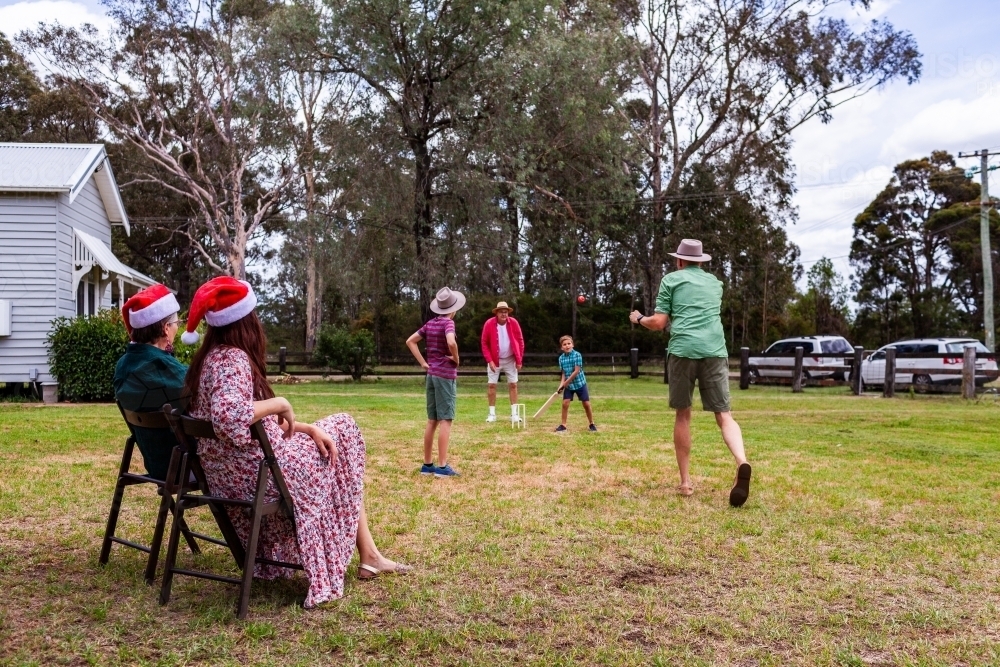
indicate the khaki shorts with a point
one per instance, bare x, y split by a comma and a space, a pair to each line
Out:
712, 375
509, 368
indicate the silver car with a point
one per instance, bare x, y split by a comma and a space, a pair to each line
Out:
812, 366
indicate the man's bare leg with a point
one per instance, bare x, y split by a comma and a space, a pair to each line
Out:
682, 444
444, 435
491, 394
732, 434
511, 390
429, 441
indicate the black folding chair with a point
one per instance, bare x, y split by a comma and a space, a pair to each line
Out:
165, 488
187, 431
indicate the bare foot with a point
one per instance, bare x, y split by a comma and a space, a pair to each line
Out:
685, 490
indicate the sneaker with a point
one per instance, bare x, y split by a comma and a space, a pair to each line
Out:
446, 471
491, 418
560, 428
427, 469
593, 428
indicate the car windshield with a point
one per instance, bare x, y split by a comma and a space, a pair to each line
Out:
835, 345
960, 347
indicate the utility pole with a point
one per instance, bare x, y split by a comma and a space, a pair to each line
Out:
984, 242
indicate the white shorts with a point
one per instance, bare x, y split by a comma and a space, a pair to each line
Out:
509, 368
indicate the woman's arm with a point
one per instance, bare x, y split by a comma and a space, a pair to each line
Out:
276, 406
324, 443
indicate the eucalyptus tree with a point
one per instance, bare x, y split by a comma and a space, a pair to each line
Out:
183, 83
724, 83
906, 282
432, 67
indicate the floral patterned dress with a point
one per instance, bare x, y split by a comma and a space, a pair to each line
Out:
326, 495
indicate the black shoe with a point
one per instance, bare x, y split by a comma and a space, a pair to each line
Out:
560, 428
741, 491
593, 428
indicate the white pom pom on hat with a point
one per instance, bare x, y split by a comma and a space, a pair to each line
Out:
220, 301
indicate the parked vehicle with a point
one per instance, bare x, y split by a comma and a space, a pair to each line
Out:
921, 372
812, 366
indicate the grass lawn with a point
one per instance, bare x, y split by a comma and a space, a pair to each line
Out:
870, 538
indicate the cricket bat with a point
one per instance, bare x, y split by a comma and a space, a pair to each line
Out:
546, 405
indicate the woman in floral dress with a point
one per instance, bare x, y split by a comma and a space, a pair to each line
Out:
323, 463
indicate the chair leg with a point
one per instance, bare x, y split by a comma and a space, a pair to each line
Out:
175, 530
109, 530
251, 553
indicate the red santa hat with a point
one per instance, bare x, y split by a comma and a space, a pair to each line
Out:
149, 307
220, 301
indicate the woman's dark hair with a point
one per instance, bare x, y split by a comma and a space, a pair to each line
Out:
152, 333
248, 335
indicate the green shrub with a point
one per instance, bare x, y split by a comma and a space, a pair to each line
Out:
348, 352
83, 352
182, 352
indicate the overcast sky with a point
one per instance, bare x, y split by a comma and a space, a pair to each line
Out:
841, 165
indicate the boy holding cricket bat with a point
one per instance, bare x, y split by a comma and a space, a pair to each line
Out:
573, 382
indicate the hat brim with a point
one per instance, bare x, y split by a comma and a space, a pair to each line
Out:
508, 309
692, 258
455, 307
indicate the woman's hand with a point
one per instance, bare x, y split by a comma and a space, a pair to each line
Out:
324, 443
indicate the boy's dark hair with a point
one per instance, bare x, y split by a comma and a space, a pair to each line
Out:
153, 332
562, 338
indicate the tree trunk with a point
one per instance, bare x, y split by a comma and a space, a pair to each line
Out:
422, 227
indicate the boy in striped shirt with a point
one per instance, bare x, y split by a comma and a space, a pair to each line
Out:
573, 382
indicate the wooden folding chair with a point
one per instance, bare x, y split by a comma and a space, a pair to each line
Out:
187, 431
165, 488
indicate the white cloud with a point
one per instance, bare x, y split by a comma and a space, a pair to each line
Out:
26, 15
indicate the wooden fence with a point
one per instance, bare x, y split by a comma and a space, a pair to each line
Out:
636, 365
968, 380
630, 362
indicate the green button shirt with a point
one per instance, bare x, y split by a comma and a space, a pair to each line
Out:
693, 300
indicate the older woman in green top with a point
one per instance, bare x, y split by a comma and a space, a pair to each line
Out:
147, 375
690, 302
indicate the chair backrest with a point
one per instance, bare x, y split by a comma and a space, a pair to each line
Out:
187, 430
144, 419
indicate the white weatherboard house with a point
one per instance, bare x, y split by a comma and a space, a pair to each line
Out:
57, 205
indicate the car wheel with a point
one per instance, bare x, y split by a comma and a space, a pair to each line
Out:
921, 383
805, 376
754, 376
839, 376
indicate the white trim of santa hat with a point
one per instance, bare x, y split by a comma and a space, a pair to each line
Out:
221, 301
149, 307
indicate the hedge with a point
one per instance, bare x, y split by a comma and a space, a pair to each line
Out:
83, 352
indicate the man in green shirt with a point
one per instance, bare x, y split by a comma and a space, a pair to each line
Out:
690, 302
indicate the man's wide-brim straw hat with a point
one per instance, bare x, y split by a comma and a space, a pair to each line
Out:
447, 301
690, 250
502, 305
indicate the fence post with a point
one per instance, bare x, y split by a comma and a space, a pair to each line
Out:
281, 359
666, 362
969, 372
744, 368
633, 358
859, 352
889, 386
797, 373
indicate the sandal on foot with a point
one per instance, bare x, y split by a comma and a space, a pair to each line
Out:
366, 572
741, 490
685, 490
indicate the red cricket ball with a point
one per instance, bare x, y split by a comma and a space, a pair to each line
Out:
581, 299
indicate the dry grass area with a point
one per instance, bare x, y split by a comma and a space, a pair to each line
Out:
870, 538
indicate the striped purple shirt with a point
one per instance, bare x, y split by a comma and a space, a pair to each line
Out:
435, 333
